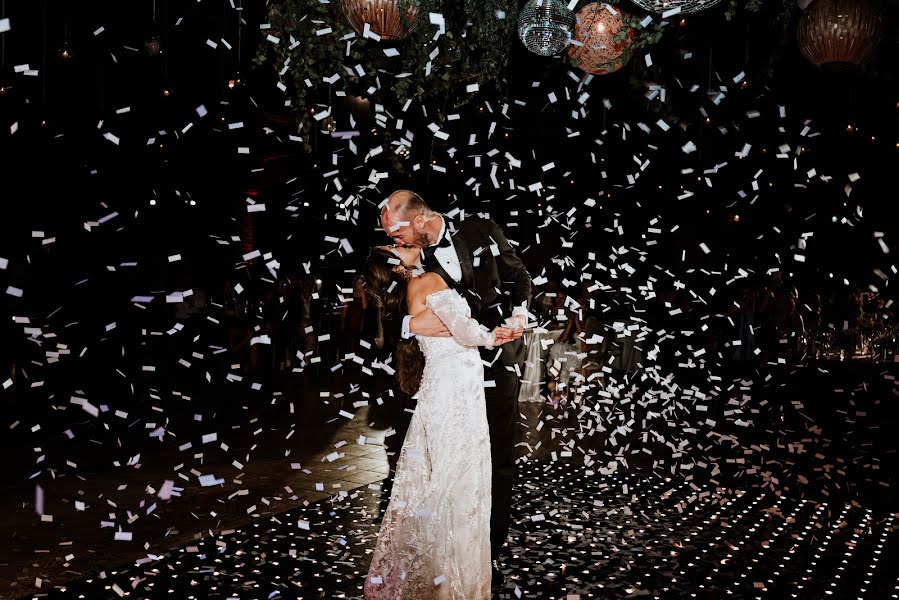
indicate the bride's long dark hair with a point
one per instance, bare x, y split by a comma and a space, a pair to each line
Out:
387, 289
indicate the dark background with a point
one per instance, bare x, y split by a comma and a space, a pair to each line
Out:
59, 173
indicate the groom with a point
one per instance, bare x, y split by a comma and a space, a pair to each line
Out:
474, 257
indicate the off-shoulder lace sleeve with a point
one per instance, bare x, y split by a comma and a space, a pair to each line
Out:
453, 311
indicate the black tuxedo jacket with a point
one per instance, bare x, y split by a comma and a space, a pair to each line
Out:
494, 280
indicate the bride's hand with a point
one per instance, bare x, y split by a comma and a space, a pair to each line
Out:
501, 335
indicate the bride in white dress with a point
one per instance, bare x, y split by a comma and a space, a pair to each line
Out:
434, 541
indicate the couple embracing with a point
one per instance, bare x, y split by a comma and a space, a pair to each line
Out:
462, 294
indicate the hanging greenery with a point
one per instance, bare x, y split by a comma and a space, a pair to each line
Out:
310, 41
308, 38
451, 46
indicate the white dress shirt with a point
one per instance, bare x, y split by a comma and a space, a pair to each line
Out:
447, 257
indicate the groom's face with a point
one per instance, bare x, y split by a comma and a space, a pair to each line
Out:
403, 229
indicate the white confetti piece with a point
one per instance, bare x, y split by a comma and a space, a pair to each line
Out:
210, 480
38, 499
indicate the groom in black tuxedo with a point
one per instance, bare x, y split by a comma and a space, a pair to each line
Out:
474, 257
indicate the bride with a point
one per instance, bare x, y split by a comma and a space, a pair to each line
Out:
434, 541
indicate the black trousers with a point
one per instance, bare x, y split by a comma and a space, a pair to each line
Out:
502, 419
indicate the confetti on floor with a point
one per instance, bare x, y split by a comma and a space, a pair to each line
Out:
576, 535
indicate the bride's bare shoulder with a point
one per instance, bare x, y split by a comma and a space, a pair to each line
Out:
422, 286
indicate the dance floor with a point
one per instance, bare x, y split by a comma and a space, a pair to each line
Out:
576, 534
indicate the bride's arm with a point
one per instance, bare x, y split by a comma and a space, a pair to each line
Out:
449, 308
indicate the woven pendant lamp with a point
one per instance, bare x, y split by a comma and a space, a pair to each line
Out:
839, 32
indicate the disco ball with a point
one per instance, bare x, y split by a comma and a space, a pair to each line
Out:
544, 26
604, 39
384, 17
839, 32
685, 6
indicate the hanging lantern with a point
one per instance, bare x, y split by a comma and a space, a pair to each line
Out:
833, 32
544, 26
603, 42
682, 6
385, 18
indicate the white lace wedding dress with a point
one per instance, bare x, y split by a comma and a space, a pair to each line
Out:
434, 541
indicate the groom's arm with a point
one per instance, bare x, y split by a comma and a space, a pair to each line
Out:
425, 323
514, 275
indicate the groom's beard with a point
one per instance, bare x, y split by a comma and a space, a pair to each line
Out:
421, 240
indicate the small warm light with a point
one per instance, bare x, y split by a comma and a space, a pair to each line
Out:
736, 218
850, 128
872, 138
744, 84
152, 202
166, 93
153, 46
683, 23
707, 121
65, 54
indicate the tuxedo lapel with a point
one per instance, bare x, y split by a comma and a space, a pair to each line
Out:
432, 265
463, 252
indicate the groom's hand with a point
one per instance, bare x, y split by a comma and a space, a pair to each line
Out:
502, 335
428, 324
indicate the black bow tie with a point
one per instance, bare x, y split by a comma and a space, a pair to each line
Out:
444, 241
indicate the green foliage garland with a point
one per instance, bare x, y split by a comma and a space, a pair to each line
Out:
310, 40
315, 41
